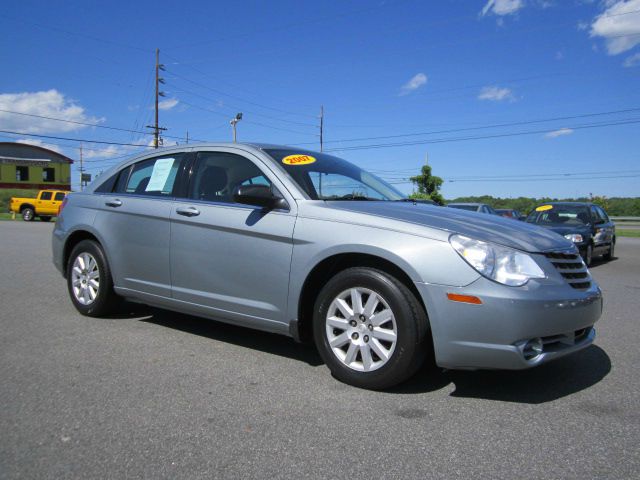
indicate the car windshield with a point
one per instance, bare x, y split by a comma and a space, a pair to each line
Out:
324, 177
472, 208
559, 215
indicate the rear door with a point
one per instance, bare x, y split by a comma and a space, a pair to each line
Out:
134, 219
227, 259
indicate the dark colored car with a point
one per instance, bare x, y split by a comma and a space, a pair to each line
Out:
510, 213
585, 224
473, 207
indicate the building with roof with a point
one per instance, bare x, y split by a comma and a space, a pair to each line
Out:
32, 167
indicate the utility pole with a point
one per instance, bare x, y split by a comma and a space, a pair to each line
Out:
156, 128
187, 136
81, 168
321, 125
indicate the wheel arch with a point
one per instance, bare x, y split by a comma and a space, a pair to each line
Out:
72, 240
330, 266
27, 205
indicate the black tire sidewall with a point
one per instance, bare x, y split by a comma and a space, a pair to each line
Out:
588, 255
411, 324
610, 254
105, 298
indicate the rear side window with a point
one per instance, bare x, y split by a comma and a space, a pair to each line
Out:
154, 177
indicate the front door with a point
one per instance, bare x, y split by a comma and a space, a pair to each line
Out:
230, 260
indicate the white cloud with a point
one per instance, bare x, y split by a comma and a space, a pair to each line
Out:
632, 61
496, 94
416, 82
40, 143
559, 133
168, 104
502, 7
618, 25
106, 152
50, 103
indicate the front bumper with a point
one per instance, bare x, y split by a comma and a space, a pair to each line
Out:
494, 335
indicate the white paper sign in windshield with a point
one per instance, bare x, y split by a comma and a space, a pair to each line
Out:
160, 174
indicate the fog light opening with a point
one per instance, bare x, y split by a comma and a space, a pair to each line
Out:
533, 349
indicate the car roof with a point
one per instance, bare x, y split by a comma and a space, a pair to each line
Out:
471, 204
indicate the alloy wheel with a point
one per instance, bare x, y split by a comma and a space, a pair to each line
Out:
85, 278
361, 329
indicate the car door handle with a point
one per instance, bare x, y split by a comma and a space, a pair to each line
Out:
113, 203
188, 211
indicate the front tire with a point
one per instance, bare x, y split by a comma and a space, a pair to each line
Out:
610, 255
28, 214
588, 255
89, 280
370, 329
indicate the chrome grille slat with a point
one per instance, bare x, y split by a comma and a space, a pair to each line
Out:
572, 268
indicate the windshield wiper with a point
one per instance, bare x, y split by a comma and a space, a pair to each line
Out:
351, 197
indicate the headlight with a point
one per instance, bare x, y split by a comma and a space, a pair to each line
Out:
504, 265
574, 237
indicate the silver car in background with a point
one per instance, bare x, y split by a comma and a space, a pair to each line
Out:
308, 245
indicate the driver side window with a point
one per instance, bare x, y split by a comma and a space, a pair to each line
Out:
218, 174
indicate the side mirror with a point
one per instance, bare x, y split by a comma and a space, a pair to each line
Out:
259, 196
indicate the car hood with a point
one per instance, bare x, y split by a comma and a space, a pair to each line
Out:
565, 229
480, 226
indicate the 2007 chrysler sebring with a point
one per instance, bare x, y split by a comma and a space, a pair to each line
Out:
308, 245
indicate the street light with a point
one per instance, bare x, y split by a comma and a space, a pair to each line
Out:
233, 124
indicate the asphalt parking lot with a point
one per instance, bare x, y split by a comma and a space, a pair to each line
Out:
154, 394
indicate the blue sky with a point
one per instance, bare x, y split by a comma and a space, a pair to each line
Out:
437, 75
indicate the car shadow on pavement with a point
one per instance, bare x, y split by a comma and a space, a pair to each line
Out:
243, 337
546, 383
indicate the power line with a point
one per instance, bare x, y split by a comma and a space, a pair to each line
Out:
480, 137
482, 127
75, 139
96, 125
199, 107
235, 107
77, 34
235, 97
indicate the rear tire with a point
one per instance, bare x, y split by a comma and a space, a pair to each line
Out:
370, 329
28, 214
89, 280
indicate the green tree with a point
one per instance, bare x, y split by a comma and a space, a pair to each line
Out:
602, 201
428, 186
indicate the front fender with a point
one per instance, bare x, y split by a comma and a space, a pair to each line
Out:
423, 260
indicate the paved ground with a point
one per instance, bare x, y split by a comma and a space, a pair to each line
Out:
159, 395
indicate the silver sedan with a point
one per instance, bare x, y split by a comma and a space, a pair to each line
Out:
308, 245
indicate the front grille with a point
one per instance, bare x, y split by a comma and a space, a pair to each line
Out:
572, 268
